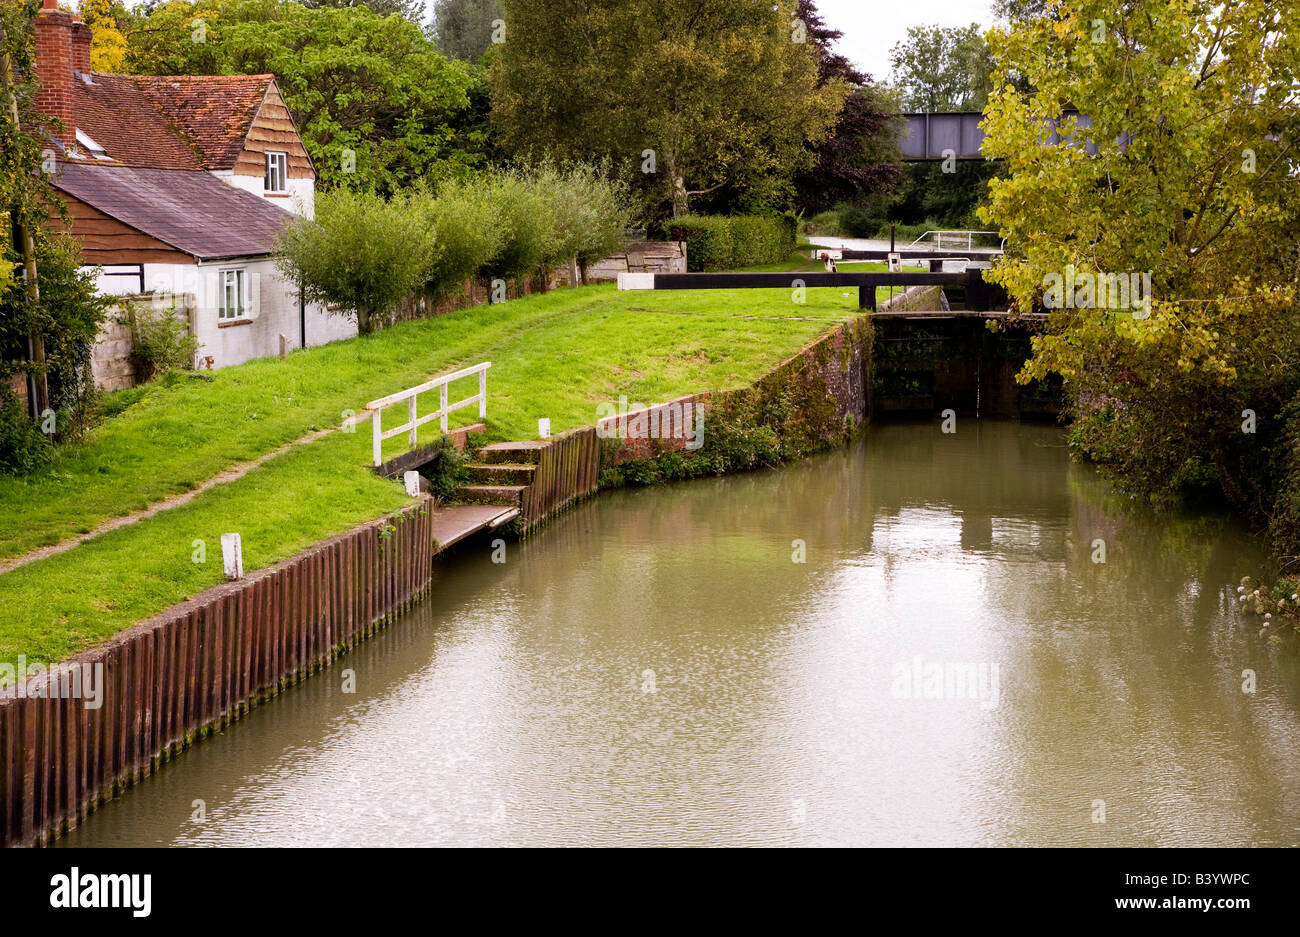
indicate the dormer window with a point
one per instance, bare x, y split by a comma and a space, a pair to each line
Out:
277, 172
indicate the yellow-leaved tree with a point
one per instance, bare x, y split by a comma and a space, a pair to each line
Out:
1177, 179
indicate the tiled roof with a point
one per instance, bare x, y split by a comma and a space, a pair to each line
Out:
176, 122
193, 211
216, 111
117, 115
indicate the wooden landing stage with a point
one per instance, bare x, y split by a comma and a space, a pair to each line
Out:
454, 522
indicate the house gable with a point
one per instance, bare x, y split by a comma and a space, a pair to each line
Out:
272, 130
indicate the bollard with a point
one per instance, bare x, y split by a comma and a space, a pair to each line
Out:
544, 428
412, 480
232, 556
284, 346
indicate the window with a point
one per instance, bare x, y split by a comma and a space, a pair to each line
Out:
232, 294
277, 172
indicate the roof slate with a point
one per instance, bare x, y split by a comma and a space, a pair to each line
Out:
192, 211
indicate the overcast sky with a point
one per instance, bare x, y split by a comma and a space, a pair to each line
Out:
872, 27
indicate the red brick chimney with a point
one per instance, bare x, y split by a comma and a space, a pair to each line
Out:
54, 67
80, 47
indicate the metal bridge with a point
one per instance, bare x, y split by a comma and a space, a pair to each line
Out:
936, 137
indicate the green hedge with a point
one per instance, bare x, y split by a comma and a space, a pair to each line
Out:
717, 243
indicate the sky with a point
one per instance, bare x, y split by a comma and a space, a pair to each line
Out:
872, 27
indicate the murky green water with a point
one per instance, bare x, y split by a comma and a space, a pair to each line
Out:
655, 669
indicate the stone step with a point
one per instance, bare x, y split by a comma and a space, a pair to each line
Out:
506, 495
513, 453
505, 473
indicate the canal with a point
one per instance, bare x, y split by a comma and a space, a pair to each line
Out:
983, 645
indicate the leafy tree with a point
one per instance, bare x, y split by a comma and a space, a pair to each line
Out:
463, 29
375, 102
943, 69
48, 319
412, 10
362, 253
108, 42
527, 225
698, 96
591, 214
1193, 118
858, 160
468, 232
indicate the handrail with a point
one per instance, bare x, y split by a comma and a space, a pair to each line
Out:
414, 420
970, 239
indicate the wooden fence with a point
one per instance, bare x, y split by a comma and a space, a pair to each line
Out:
567, 470
197, 667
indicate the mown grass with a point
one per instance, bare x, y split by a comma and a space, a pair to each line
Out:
558, 356
554, 355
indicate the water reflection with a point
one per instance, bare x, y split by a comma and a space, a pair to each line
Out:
655, 669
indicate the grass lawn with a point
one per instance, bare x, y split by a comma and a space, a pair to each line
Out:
559, 356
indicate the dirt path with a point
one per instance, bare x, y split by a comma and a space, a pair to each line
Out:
229, 475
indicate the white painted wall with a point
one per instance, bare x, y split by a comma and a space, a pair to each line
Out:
302, 192
272, 309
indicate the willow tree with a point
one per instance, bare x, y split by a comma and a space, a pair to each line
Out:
699, 96
1183, 169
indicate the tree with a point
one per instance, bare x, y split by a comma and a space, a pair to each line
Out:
468, 232
108, 42
943, 69
362, 253
591, 214
697, 96
412, 10
464, 29
1190, 194
858, 160
375, 102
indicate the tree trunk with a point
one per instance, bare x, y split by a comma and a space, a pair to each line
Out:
40, 382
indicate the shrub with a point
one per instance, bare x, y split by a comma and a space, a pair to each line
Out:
718, 243
23, 449
527, 225
467, 233
860, 221
160, 341
362, 253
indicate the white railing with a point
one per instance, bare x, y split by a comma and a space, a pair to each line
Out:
414, 421
964, 240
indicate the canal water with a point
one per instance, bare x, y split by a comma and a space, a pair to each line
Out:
983, 645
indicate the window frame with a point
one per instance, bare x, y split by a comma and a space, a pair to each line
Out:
280, 161
241, 286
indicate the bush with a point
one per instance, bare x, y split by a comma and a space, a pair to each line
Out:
717, 243
362, 253
860, 221
160, 341
23, 450
527, 225
468, 235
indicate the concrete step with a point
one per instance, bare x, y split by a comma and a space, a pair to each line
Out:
506, 495
513, 453
505, 473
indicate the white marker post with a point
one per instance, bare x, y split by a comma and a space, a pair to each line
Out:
412, 483
232, 556
544, 428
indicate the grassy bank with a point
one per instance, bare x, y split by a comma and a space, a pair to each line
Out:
557, 356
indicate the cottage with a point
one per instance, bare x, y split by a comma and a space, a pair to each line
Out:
179, 186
